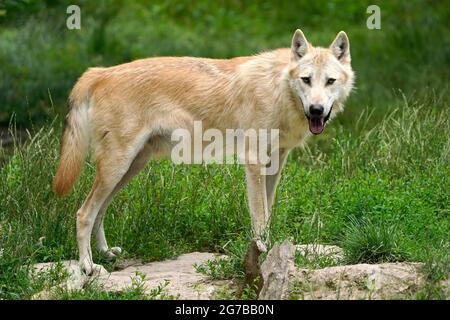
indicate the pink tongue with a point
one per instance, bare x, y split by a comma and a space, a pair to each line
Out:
316, 125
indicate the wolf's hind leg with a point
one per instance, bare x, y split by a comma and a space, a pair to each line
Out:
136, 166
257, 199
85, 220
110, 171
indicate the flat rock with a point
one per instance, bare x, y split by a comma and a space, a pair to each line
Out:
275, 271
282, 279
355, 282
177, 278
75, 278
183, 282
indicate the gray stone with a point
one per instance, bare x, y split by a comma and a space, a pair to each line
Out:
277, 267
281, 279
356, 282
177, 277
183, 282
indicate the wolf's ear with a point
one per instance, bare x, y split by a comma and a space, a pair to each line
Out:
299, 45
341, 47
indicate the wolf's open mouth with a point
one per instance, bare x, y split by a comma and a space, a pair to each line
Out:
317, 124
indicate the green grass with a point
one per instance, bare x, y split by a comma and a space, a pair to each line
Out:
222, 269
367, 242
435, 271
92, 290
383, 195
315, 261
376, 182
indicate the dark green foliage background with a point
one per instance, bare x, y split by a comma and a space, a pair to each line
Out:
40, 57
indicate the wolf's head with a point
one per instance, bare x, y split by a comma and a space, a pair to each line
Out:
320, 77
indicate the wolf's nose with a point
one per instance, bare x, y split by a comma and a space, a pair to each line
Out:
316, 109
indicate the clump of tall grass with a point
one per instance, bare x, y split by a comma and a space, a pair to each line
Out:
368, 242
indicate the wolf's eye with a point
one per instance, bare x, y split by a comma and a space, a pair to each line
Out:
306, 80
330, 81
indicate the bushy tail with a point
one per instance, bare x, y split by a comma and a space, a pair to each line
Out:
74, 142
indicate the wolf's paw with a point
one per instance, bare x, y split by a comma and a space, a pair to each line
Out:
92, 269
261, 245
112, 253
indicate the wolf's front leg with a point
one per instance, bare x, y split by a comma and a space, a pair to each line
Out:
259, 213
278, 160
257, 199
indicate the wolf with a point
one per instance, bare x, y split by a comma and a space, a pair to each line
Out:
127, 113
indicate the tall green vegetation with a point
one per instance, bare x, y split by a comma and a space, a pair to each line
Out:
41, 59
